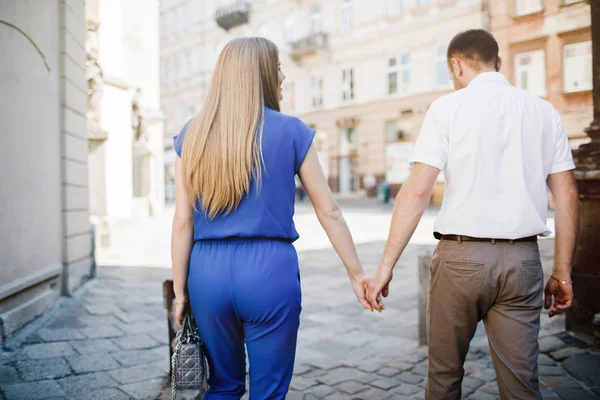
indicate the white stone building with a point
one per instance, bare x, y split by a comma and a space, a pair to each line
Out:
45, 232
364, 72
126, 123
361, 72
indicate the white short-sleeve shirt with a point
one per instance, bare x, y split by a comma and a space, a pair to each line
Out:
496, 145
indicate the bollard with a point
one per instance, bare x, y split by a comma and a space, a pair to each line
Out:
169, 297
424, 264
596, 327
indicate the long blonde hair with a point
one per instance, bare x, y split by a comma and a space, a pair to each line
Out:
222, 149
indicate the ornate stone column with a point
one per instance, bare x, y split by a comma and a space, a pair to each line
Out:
586, 265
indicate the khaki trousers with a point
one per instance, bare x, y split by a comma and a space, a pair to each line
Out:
501, 284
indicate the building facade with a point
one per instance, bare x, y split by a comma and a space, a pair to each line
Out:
546, 48
363, 73
124, 116
45, 246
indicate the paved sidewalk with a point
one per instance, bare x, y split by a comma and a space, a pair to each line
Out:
107, 342
110, 342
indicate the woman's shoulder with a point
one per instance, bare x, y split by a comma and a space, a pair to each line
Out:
178, 139
278, 116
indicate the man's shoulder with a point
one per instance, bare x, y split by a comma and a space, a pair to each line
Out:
450, 99
446, 104
466, 95
542, 103
535, 102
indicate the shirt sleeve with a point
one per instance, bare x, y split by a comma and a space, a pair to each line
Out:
178, 139
432, 144
303, 140
563, 158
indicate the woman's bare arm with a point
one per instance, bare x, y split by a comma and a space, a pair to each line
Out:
331, 219
182, 238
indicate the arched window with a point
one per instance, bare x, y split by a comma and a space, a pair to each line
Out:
316, 19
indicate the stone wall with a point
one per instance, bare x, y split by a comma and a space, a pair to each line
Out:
75, 203
45, 237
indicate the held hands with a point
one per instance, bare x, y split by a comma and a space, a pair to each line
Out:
359, 285
561, 288
379, 286
368, 290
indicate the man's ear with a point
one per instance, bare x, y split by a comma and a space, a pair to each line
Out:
456, 67
499, 64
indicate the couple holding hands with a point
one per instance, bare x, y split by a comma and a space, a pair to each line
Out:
500, 149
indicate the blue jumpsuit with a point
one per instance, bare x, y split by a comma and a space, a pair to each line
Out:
243, 281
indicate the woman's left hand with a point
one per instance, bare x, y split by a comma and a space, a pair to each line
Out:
359, 285
180, 309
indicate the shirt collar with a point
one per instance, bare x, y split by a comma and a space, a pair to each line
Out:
489, 77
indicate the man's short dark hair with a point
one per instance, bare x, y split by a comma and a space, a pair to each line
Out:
477, 45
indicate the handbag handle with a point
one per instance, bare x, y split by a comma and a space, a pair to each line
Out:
188, 328
187, 324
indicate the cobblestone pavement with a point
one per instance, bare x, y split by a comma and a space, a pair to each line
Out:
110, 342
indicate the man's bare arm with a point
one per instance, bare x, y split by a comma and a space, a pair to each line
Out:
566, 220
559, 292
409, 207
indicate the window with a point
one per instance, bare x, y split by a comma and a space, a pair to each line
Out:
163, 25
396, 7
317, 91
577, 67
392, 76
393, 133
346, 21
316, 20
347, 84
168, 23
177, 69
172, 68
186, 63
530, 72
442, 78
196, 58
398, 74
164, 73
177, 19
405, 71
347, 141
524, 7
186, 16
288, 29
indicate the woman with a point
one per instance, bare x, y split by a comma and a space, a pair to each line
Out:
233, 227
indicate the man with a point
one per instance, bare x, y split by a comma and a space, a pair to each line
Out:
500, 148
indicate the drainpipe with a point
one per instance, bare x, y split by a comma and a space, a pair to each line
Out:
2, 333
485, 11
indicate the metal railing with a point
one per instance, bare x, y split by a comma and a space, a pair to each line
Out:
232, 15
309, 44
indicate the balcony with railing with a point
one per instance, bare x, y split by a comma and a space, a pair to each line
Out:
232, 15
311, 44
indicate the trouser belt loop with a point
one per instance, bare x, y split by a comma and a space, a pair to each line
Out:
493, 241
459, 239
511, 242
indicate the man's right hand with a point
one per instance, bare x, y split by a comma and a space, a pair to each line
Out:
379, 286
562, 294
